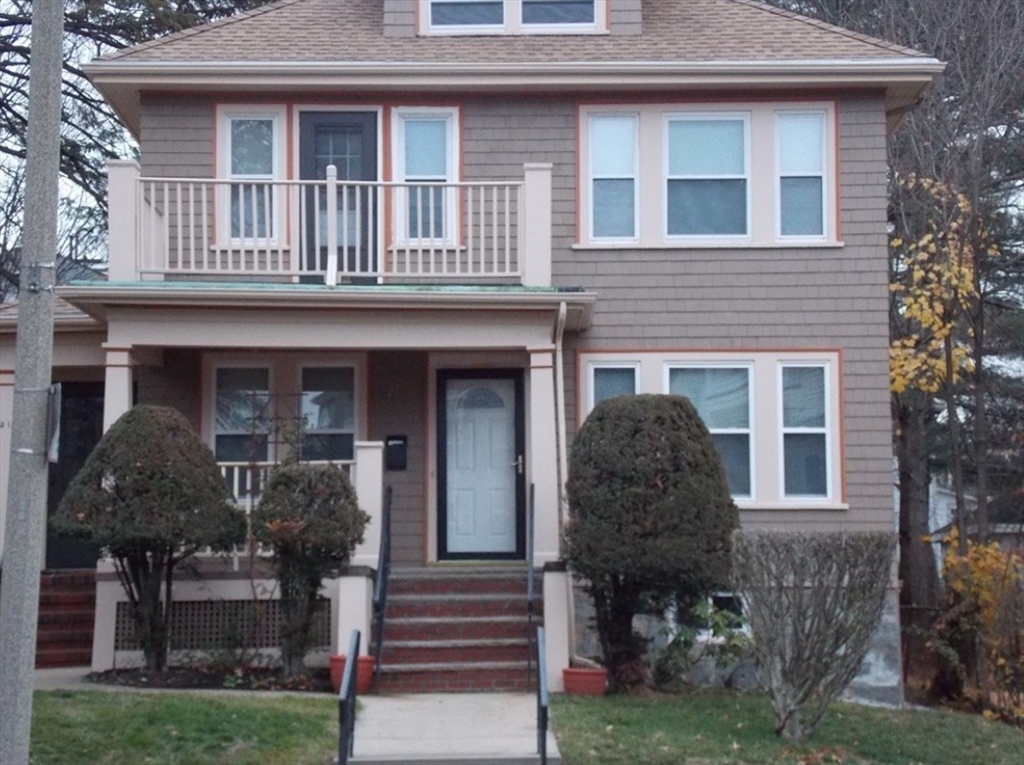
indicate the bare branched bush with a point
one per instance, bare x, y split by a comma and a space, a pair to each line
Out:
813, 601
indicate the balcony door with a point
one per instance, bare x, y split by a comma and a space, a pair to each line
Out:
347, 140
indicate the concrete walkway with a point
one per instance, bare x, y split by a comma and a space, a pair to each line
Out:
460, 728
463, 728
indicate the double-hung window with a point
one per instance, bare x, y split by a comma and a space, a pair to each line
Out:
773, 415
613, 379
800, 153
613, 176
707, 175
805, 429
513, 16
328, 413
242, 414
721, 395
426, 151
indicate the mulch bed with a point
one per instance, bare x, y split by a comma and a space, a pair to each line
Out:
208, 677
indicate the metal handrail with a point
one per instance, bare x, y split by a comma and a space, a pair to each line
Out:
530, 518
347, 701
542, 698
380, 583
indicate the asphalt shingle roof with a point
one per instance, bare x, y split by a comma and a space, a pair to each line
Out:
352, 31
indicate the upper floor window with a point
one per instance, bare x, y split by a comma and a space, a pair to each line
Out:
426, 156
512, 16
707, 175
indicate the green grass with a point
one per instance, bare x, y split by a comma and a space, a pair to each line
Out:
122, 728
719, 728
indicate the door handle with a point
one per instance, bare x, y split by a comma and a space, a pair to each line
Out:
517, 463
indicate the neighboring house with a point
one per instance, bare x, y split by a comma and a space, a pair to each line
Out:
462, 223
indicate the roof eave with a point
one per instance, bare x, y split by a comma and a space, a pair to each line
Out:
122, 81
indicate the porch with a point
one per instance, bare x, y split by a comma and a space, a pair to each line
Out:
330, 231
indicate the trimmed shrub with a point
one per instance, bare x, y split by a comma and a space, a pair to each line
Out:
813, 600
150, 496
310, 516
651, 516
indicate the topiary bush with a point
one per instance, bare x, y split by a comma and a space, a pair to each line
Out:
310, 516
150, 496
813, 600
651, 515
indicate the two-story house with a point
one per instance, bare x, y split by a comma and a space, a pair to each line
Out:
455, 225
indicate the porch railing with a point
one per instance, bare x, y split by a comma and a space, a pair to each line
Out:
329, 231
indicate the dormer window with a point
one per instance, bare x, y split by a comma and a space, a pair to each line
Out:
513, 17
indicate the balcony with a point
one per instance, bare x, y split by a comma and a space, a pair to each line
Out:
330, 231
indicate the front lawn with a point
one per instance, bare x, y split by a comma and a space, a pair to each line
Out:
103, 728
720, 728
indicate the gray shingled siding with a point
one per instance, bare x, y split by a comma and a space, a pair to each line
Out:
626, 17
397, 392
177, 137
399, 18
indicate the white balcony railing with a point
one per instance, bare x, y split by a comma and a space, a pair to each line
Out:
246, 480
331, 231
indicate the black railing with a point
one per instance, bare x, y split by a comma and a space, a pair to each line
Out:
530, 585
380, 582
347, 701
542, 698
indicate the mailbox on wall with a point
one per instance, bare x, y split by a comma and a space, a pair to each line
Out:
395, 448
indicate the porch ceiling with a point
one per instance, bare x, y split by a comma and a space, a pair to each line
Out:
315, 316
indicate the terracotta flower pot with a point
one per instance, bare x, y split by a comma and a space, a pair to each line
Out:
586, 681
364, 673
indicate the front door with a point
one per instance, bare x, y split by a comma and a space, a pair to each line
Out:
81, 426
480, 456
347, 140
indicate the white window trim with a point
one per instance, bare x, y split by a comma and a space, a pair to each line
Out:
512, 23
303, 365
782, 431
748, 431
593, 366
768, 469
211, 401
762, 177
285, 380
666, 176
225, 113
826, 150
399, 116
590, 178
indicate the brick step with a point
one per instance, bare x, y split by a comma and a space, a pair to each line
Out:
460, 584
47, 658
439, 678
67, 579
405, 652
75, 636
413, 606
458, 627
78, 617
64, 599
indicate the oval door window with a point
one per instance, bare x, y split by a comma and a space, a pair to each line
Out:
480, 398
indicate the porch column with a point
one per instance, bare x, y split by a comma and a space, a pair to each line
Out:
369, 486
535, 247
117, 392
122, 240
543, 454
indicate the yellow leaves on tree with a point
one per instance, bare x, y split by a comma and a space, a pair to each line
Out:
990, 581
932, 244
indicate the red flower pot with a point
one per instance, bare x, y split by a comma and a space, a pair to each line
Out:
586, 681
364, 673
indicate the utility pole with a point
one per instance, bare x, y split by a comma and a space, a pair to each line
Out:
26, 503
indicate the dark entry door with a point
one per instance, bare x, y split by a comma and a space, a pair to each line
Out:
81, 426
481, 510
347, 140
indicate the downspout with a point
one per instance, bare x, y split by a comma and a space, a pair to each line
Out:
563, 473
